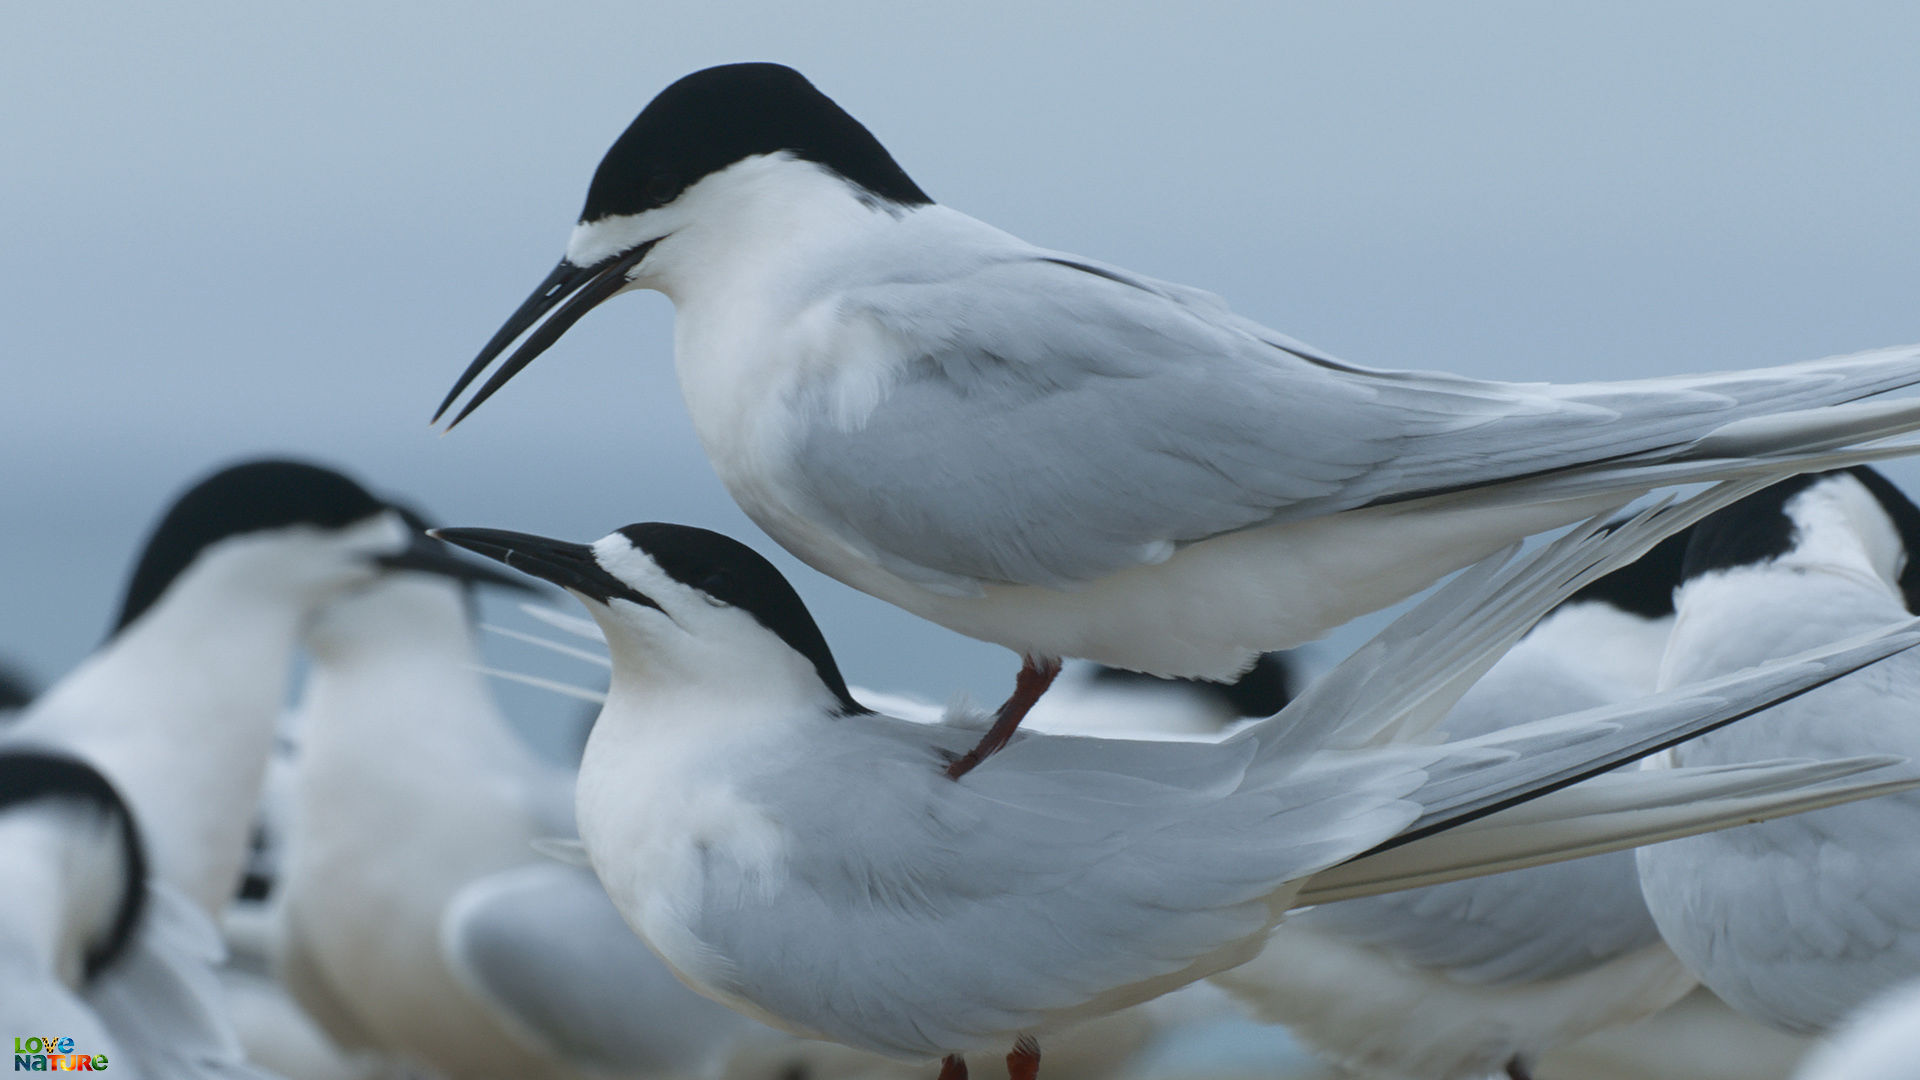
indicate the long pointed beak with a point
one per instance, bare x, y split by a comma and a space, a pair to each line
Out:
570, 566
574, 291
428, 557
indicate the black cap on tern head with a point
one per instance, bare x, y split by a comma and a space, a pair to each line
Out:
1757, 528
714, 118
715, 564
735, 574
251, 497
694, 128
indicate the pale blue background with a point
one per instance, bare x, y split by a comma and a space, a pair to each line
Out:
239, 227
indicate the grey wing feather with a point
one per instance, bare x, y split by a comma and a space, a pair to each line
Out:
1526, 925
1112, 842
1075, 419
1521, 926
163, 1001
544, 947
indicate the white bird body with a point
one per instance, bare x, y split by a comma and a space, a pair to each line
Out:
178, 709
1799, 922
164, 733
1069, 459
397, 736
66, 882
808, 862
417, 812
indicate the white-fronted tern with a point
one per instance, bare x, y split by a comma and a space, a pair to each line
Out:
794, 855
1069, 459
131, 782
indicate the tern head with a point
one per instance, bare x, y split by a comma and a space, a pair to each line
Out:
679, 163
286, 531
682, 604
1850, 521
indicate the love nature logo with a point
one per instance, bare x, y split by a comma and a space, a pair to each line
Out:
34, 1053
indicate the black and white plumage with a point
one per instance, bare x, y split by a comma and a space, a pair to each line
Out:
92, 947
144, 763
1797, 923
794, 855
1070, 459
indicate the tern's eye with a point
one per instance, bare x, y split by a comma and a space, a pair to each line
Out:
711, 586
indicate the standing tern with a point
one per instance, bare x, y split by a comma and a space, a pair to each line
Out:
418, 922
1473, 978
178, 706
1064, 457
1798, 923
791, 853
131, 782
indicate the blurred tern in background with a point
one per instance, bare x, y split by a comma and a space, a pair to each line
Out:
131, 782
792, 854
1067, 458
418, 921
1798, 923
1472, 978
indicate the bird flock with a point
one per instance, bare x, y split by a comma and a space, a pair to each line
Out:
1635, 799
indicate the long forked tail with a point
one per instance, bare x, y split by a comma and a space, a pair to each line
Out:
1545, 443
1609, 813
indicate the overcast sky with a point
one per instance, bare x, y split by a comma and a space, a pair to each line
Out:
233, 228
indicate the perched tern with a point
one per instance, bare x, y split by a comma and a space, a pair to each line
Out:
417, 920
131, 782
791, 853
1798, 923
1065, 457
1468, 979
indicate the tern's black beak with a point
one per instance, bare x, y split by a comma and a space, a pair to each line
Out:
570, 566
574, 290
424, 555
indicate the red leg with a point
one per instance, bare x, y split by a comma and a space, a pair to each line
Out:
953, 1067
1033, 681
1023, 1061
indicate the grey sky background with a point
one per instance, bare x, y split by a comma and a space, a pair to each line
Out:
234, 228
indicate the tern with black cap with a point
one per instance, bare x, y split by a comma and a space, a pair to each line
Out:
800, 857
129, 785
1070, 459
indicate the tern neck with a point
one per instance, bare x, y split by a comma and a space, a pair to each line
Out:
178, 710
756, 226
395, 688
